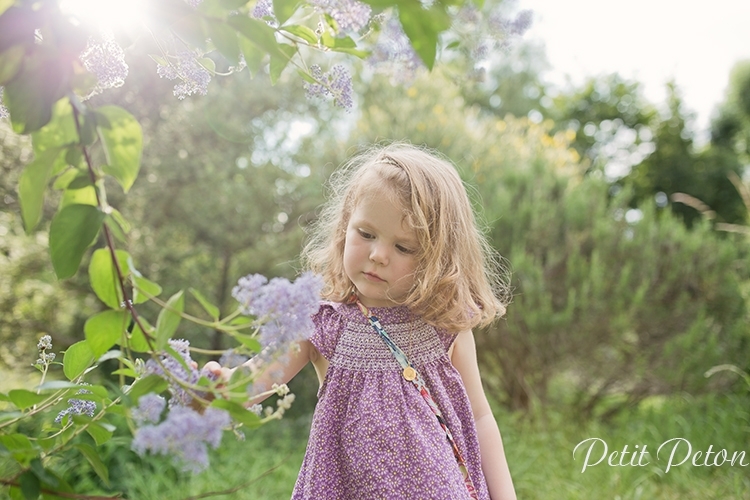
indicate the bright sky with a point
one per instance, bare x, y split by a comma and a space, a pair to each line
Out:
651, 41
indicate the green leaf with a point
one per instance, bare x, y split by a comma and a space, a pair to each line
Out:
80, 181
283, 9
302, 32
20, 447
56, 385
253, 54
138, 341
77, 358
83, 196
143, 289
59, 132
211, 309
15, 442
104, 330
278, 63
208, 63
30, 486
122, 138
44, 476
225, 39
423, 27
331, 41
113, 354
10, 62
34, 90
128, 372
99, 432
238, 412
10, 415
25, 399
72, 231
169, 319
93, 458
146, 385
33, 184
257, 32
249, 342
103, 276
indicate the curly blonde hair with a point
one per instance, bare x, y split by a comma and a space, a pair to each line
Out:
459, 282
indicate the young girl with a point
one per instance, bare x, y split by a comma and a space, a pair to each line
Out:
406, 271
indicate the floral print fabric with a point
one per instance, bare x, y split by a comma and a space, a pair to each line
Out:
373, 436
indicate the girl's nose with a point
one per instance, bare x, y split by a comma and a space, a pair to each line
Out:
379, 255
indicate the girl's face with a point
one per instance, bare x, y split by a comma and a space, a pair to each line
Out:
380, 252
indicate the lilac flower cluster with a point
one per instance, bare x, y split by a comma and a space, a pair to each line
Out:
149, 409
394, 54
515, 27
264, 10
283, 310
194, 78
186, 373
184, 435
77, 407
106, 60
336, 82
350, 15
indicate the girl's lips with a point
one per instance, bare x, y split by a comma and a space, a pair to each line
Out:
373, 277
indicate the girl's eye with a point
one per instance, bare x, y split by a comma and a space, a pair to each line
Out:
404, 249
365, 234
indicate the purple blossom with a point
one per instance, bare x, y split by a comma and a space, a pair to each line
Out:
106, 60
264, 10
521, 23
350, 15
77, 407
232, 359
194, 3
498, 23
149, 409
336, 82
185, 435
283, 310
194, 77
177, 370
394, 54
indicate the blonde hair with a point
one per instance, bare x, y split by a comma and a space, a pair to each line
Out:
459, 283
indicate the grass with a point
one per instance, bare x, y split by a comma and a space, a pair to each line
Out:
540, 452
539, 449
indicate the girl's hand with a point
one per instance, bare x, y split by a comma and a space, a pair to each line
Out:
222, 373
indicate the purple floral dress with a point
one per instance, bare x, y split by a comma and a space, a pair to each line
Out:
373, 436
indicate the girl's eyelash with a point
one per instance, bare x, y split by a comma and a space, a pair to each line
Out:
364, 234
404, 249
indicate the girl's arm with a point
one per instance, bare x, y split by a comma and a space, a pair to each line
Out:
494, 465
278, 371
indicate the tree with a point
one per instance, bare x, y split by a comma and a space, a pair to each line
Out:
731, 127
675, 167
